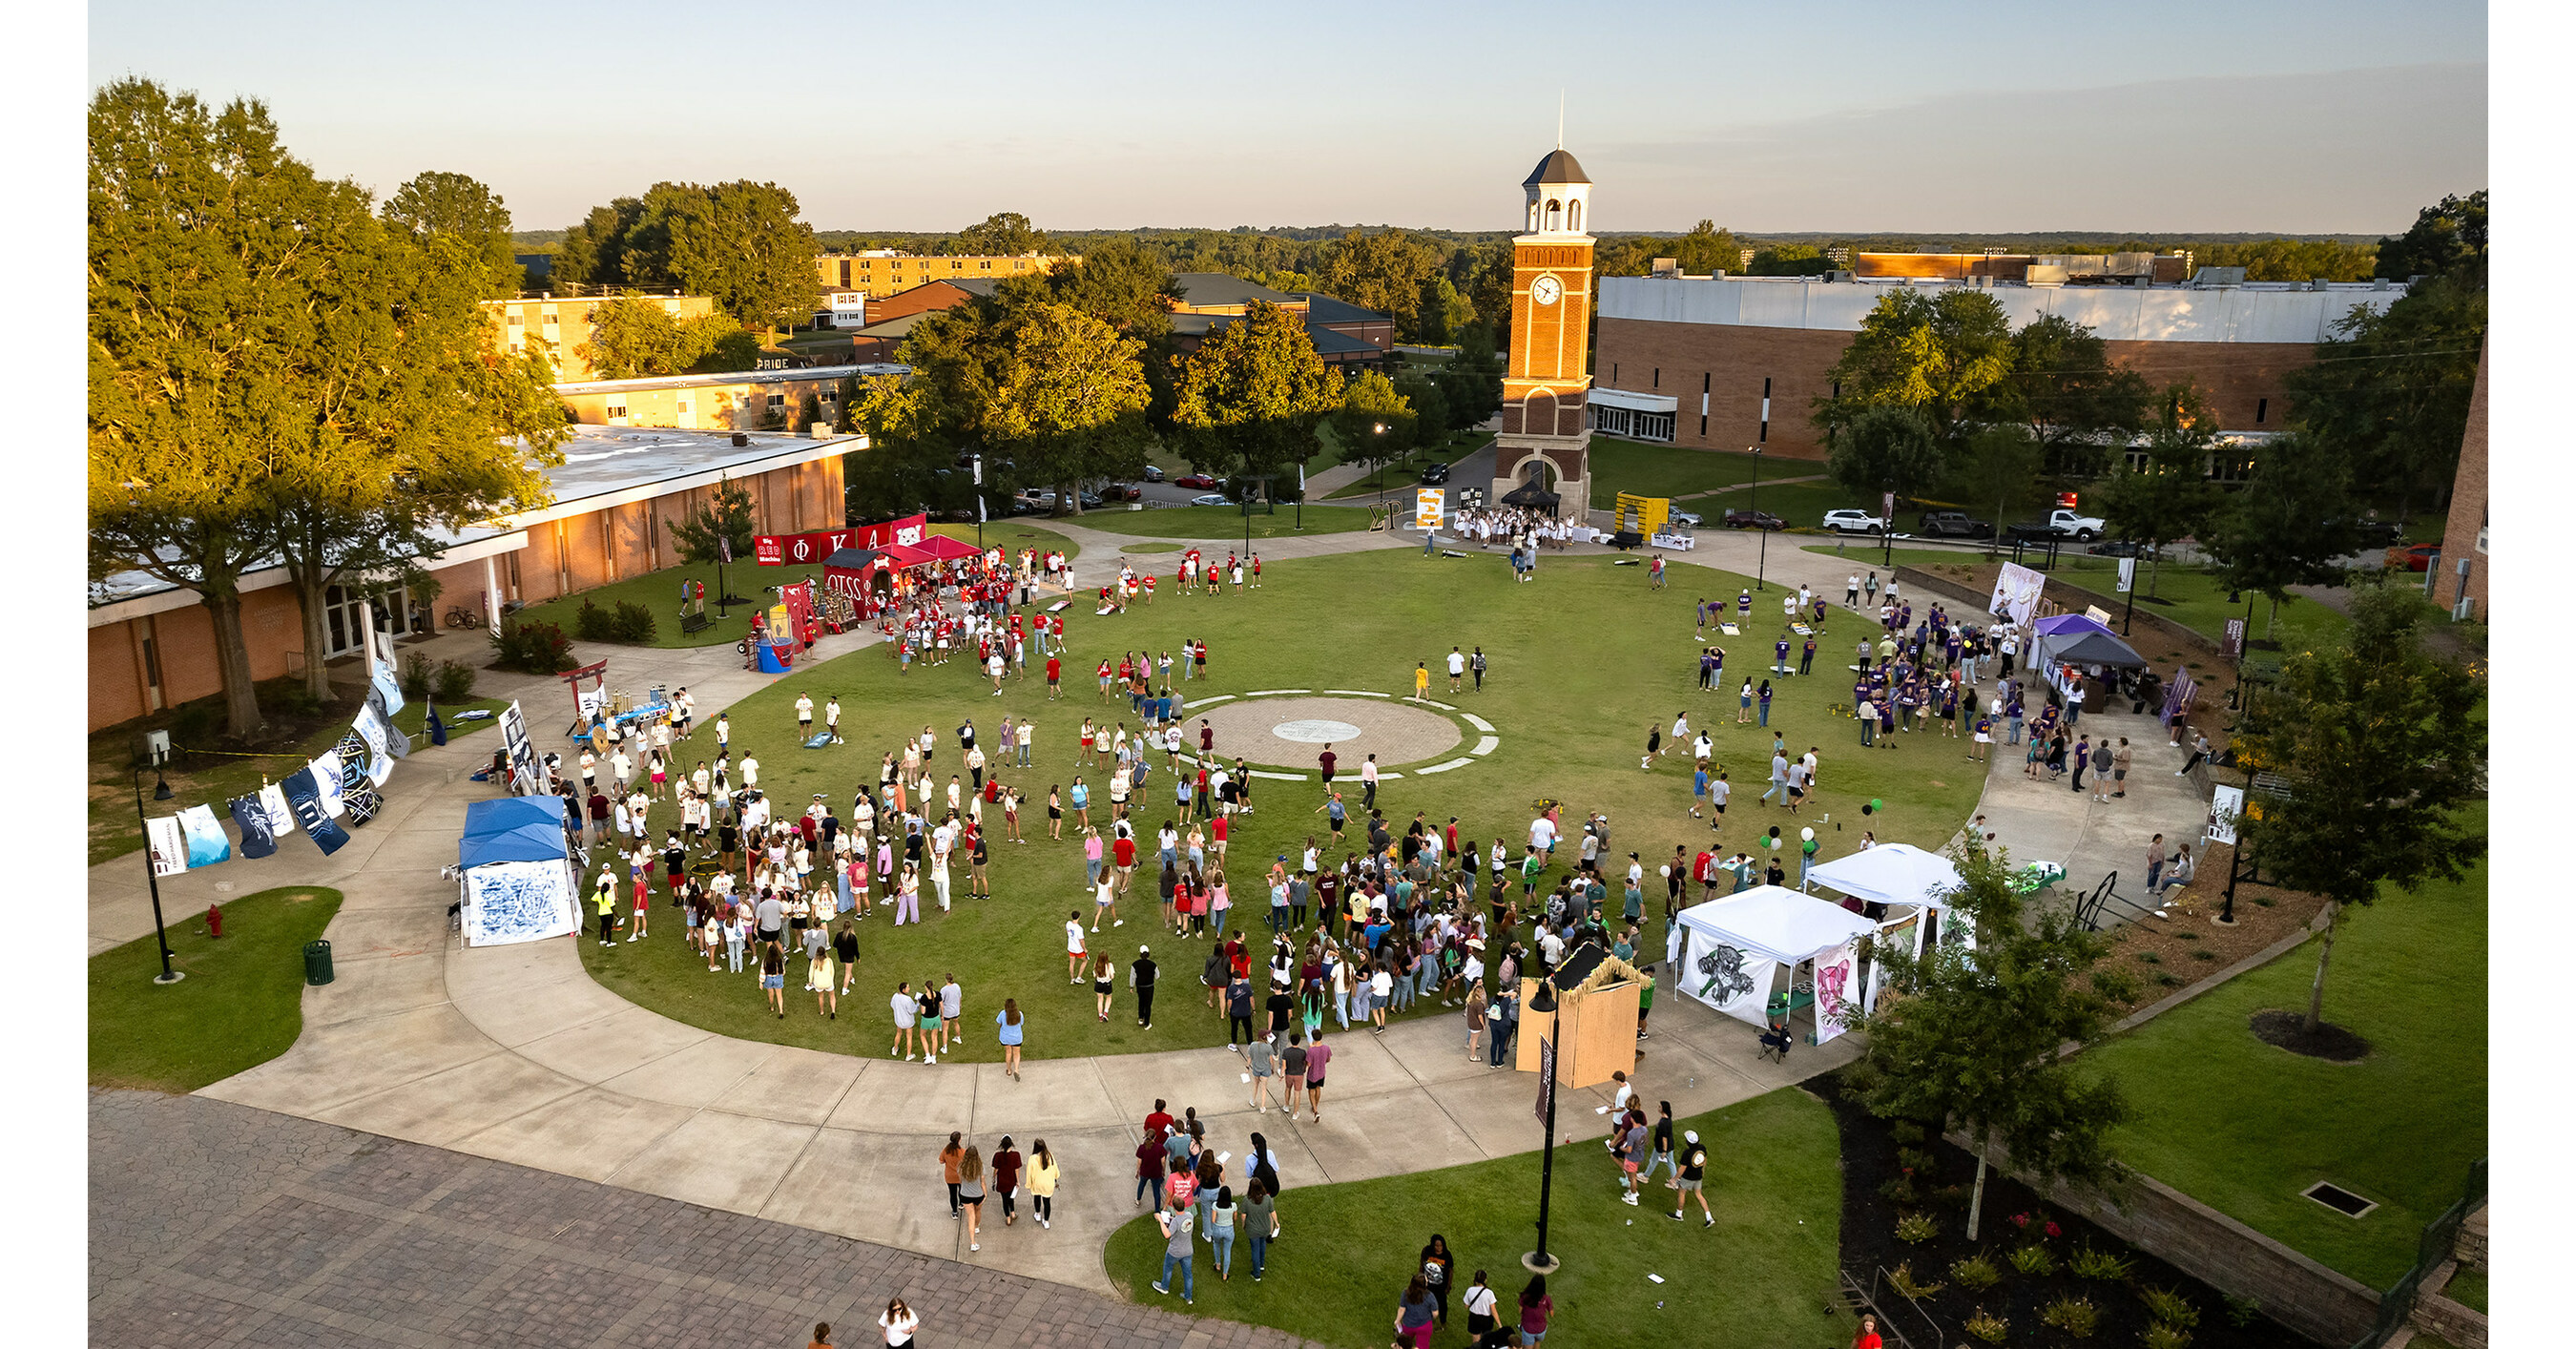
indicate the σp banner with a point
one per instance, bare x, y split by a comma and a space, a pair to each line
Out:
799, 550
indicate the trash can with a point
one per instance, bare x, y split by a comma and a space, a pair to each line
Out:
317, 963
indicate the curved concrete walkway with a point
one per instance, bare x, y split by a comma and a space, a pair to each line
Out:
515, 1053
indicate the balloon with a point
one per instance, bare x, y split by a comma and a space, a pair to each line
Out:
1774, 841
1876, 804
1871, 808
1807, 833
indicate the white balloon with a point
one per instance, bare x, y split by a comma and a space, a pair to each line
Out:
1808, 832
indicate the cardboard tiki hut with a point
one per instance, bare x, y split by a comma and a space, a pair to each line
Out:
1597, 995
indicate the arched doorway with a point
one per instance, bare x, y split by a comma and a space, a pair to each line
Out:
1537, 471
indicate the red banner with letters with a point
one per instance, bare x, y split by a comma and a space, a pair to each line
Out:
811, 549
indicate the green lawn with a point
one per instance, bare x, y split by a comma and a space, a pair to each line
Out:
1672, 471
659, 591
1219, 523
2244, 1127
1406, 474
1583, 659
240, 1005
217, 779
2198, 599
2468, 1287
1766, 1271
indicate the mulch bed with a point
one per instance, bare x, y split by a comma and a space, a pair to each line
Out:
2289, 1030
1939, 1319
2167, 954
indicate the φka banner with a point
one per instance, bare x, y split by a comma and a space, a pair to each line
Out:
304, 794
2016, 593
1837, 989
258, 838
1728, 978
169, 845
799, 550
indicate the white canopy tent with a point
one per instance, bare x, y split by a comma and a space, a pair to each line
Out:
1734, 946
1900, 876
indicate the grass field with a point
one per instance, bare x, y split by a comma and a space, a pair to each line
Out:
216, 779
1584, 659
1219, 523
659, 591
240, 1005
2193, 597
1406, 474
1763, 1272
2244, 1127
1669, 471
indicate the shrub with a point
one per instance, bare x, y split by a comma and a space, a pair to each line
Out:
531, 648
2033, 1260
298, 702
2162, 1336
590, 622
1951, 1196
2089, 1263
2169, 1307
1906, 1132
2076, 1316
193, 724
414, 677
1915, 1160
1976, 1273
1899, 1190
2204, 955
455, 681
2168, 980
1903, 1277
2241, 1311
2116, 984
1988, 1327
2150, 958
1915, 1229
633, 623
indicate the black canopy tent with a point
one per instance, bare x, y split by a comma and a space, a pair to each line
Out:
1534, 496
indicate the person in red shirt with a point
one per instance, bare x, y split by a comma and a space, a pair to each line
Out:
1256, 571
1217, 825
1124, 854
1158, 1126
1207, 737
1867, 1336
1055, 672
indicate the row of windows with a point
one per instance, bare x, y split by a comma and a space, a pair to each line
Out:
1634, 425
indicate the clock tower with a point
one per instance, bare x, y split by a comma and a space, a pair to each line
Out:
1546, 434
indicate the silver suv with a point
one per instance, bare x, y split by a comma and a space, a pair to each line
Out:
1854, 522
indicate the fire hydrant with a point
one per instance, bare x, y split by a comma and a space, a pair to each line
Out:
214, 921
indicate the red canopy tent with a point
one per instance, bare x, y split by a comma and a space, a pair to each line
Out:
947, 549
905, 555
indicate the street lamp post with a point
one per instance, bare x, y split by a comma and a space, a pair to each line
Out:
1378, 451
1887, 527
1762, 558
152, 877
1544, 1001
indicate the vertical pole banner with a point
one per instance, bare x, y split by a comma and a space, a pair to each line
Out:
523, 755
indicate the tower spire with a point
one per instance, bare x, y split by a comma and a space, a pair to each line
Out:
1560, 119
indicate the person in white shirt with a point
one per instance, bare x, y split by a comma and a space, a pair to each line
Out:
750, 771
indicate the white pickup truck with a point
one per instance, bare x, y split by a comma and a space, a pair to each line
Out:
2062, 523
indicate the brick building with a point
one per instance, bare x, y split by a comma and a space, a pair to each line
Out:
2464, 536
151, 645
735, 401
880, 272
1728, 362
564, 324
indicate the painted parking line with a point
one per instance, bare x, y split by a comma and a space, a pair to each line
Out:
1487, 745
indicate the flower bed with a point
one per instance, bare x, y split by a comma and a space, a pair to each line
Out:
2036, 1277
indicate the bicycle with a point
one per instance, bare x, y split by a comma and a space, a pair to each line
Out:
459, 616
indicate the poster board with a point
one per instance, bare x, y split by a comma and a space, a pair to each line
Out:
2016, 593
1429, 507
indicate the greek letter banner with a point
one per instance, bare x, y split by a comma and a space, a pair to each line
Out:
306, 799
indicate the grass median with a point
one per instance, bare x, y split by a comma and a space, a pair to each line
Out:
240, 1005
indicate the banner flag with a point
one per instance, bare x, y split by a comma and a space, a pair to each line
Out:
1837, 981
2016, 593
251, 817
1728, 979
169, 845
207, 844
304, 792
328, 774
281, 816
380, 760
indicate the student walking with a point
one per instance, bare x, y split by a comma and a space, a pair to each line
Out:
1178, 1248
970, 1193
1012, 1031
1694, 1170
899, 1323
1043, 1176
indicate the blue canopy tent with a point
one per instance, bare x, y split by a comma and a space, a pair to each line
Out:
516, 871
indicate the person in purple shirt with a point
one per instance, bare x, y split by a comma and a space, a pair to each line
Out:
2083, 752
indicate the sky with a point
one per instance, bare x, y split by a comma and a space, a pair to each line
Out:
2291, 116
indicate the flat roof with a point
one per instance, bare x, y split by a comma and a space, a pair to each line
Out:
2280, 313
603, 466
729, 377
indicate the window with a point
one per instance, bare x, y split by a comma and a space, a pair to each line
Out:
516, 318
1574, 216
2262, 408
616, 412
986, 264
1659, 377
1656, 426
1555, 212
778, 402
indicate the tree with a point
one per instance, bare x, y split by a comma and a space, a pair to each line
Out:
1938, 353
2295, 259
1996, 462
1972, 1037
1129, 288
631, 337
1887, 449
2171, 496
1472, 384
1383, 271
1252, 395
592, 255
2390, 390
1375, 424
2448, 239
2383, 748
1483, 273
726, 514
1003, 234
1432, 416
454, 205
2063, 386
739, 242
1444, 311
1790, 260
2289, 523
1707, 250
1063, 397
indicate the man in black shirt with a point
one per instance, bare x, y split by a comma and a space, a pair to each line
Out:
1140, 976
1694, 1167
845, 948
1281, 1008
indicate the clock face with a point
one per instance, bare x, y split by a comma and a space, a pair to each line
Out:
1545, 290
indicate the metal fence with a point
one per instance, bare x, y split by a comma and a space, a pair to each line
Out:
2397, 1305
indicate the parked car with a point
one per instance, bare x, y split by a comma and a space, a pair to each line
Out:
1434, 474
1690, 518
1754, 520
1211, 499
2420, 557
1854, 522
2376, 533
1153, 474
2121, 548
1194, 480
1121, 491
1954, 525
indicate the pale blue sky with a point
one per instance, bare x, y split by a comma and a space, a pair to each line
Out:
2294, 115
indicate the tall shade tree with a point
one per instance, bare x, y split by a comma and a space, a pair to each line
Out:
2382, 746
1252, 395
1970, 1037
739, 242
2390, 391
1063, 396
458, 207
1384, 271
2063, 386
632, 337
1126, 286
1938, 353
721, 526
1887, 449
407, 424
1473, 383
1375, 424
2170, 496
1995, 463
592, 256
1003, 233
2448, 238
2290, 523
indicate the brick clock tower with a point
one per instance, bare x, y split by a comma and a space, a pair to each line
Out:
1546, 436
